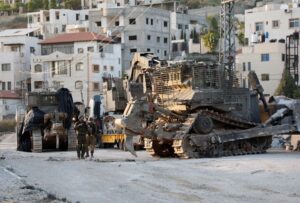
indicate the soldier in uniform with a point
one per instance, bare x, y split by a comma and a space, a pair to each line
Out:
81, 131
91, 137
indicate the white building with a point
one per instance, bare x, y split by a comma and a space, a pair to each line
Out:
276, 21
55, 21
266, 50
267, 60
9, 102
77, 61
143, 29
16, 46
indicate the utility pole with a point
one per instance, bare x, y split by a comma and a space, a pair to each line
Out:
227, 44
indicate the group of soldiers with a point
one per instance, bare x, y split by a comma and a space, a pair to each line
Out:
86, 137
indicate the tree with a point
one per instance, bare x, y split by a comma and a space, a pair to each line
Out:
210, 40
211, 37
287, 86
46, 4
73, 4
53, 4
240, 32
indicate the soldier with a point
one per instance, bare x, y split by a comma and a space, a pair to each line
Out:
81, 131
91, 137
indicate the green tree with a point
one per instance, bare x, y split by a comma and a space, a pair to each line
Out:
4, 7
73, 4
210, 40
53, 4
46, 4
211, 37
287, 86
240, 32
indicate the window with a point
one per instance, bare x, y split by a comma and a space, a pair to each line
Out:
5, 67
265, 57
179, 26
32, 50
148, 50
96, 86
78, 84
57, 15
77, 16
148, 37
117, 23
79, 67
100, 48
132, 21
186, 27
165, 40
38, 84
3, 85
8, 85
282, 57
259, 26
90, 49
265, 77
111, 68
96, 68
165, 53
105, 68
151, 21
147, 21
61, 68
38, 68
98, 23
249, 66
165, 23
294, 22
86, 17
157, 51
133, 50
80, 50
275, 23
244, 83
244, 66
158, 39
132, 37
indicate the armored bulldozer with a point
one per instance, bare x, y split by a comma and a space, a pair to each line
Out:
193, 110
47, 125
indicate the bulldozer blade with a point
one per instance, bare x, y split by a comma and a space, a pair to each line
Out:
129, 145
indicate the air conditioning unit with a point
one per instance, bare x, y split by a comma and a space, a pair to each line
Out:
287, 10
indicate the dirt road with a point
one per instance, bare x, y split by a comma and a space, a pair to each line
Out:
116, 176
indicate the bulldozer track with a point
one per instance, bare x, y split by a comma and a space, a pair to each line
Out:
185, 148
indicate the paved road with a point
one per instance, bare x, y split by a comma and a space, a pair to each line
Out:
8, 141
116, 176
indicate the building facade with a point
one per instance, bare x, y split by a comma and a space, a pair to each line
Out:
55, 21
16, 47
77, 61
9, 102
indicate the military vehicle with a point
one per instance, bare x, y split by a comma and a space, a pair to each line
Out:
47, 125
193, 110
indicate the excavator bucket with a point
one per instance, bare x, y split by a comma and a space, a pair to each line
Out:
129, 145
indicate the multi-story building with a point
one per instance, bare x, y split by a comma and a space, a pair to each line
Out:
16, 46
266, 29
77, 61
12, 2
55, 21
139, 29
267, 60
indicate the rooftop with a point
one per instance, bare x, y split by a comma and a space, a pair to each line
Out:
17, 32
77, 37
9, 95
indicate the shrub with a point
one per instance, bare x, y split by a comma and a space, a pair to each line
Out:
7, 126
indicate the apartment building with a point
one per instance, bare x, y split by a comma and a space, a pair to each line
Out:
139, 29
77, 61
16, 47
9, 102
267, 60
266, 29
55, 21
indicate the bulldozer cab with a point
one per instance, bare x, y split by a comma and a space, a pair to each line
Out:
45, 101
